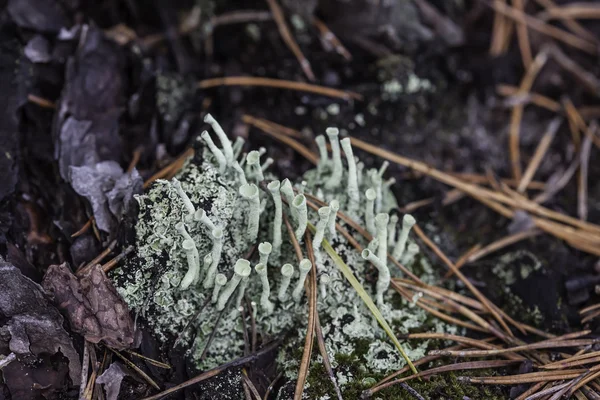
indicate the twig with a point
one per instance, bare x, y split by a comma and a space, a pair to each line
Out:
289, 40
111, 264
280, 84
85, 364
40, 101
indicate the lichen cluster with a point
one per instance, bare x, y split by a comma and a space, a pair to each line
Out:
194, 270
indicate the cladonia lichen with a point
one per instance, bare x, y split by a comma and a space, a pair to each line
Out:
194, 251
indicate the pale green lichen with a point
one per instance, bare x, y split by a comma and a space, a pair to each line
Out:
242, 215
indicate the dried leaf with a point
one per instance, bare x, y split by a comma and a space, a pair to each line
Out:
92, 305
31, 325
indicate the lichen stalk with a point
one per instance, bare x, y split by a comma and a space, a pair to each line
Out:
411, 251
180, 227
240, 171
352, 189
407, 223
238, 146
370, 195
299, 204
383, 279
193, 261
221, 160
201, 217
381, 224
253, 170
241, 291
288, 194
320, 234
334, 206
336, 156
264, 249
241, 270
273, 187
217, 249
287, 271
304, 268
225, 142
268, 162
323, 156
187, 203
265, 303
250, 192
220, 281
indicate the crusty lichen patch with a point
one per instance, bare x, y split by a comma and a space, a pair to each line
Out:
151, 281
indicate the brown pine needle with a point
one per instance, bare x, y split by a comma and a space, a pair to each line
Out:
111, 246
464, 366
463, 278
589, 308
492, 198
141, 373
582, 187
545, 376
539, 154
289, 39
280, 84
84, 228
40, 101
495, 246
514, 97
500, 33
575, 362
571, 24
171, 169
517, 113
575, 11
272, 130
523, 36
545, 344
149, 360
310, 326
546, 29
329, 37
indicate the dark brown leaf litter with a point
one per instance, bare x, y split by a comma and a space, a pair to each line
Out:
92, 305
32, 329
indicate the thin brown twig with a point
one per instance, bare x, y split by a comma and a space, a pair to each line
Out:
40, 101
289, 39
280, 84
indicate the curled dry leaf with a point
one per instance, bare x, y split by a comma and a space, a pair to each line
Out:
92, 305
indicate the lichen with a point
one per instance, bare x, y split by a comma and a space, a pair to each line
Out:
151, 281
